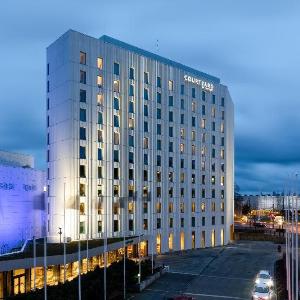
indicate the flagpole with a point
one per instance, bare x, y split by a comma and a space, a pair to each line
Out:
45, 268
64, 232
34, 263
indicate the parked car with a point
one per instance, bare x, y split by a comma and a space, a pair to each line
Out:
264, 277
259, 225
261, 292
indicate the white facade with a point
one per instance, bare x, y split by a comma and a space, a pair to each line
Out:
22, 201
165, 165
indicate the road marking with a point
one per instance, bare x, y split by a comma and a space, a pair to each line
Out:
216, 296
184, 273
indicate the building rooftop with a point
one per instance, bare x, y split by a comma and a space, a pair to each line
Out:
16, 159
139, 51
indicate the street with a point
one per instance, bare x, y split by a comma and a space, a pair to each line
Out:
218, 273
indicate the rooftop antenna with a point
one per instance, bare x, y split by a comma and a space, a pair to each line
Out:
157, 45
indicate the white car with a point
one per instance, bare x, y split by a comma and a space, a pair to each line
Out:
264, 277
261, 292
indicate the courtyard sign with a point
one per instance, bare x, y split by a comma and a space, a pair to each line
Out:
207, 86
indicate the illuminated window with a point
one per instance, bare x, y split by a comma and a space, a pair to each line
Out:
146, 143
181, 207
181, 240
170, 241
82, 77
116, 86
222, 237
193, 106
222, 180
193, 207
158, 244
203, 123
82, 58
82, 190
222, 206
203, 137
222, 127
213, 112
213, 238
203, 151
116, 208
203, 207
171, 176
202, 165
182, 133
181, 148
203, 239
170, 207
158, 207
170, 85
99, 99
131, 123
158, 176
82, 208
222, 153
99, 81
193, 149
213, 206
116, 138
100, 63
213, 180
145, 224
193, 135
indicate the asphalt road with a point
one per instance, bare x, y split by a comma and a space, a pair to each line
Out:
213, 274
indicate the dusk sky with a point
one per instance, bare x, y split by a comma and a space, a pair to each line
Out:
253, 46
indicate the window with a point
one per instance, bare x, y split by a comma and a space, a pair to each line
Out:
82, 208
146, 143
83, 96
159, 145
116, 103
158, 113
82, 133
222, 127
213, 112
48, 69
158, 97
182, 89
131, 107
116, 173
193, 207
145, 224
146, 77
99, 81
222, 101
170, 131
213, 139
193, 93
116, 225
131, 157
116, 138
170, 100
193, 121
203, 110
116, 86
222, 206
82, 227
203, 123
222, 141
202, 207
170, 85
82, 58
82, 115
146, 129
213, 126
181, 148
131, 90
116, 156
171, 222
193, 222
213, 206
100, 118
213, 220
146, 110
193, 135
182, 133
82, 152
182, 119
131, 73
170, 116
131, 141
131, 172
193, 106
158, 207
100, 63
181, 222
158, 160
146, 94
100, 157
48, 86
145, 159
203, 221
181, 103
116, 121
158, 223
116, 69
203, 95
100, 226
222, 220
158, 129
99, 99
170, 146
170, 162
100, 173
130, 225
213, 99
182, 207
82, 77
48, 103
82, 171
158, 81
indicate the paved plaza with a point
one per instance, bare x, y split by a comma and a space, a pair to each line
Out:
213, 274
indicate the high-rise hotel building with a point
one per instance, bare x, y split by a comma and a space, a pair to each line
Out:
137, 145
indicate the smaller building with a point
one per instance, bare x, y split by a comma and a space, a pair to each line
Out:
22, 201
260, 202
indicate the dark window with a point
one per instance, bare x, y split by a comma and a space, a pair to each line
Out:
158, 113
131, 73
130, 174
182, 119
158, 160
193, 93
146, 77
130, 225
158, 82
116, 225
145, 159
82, 152
116, 156
158, 144
100, 118
116, 173
116, 121
131, 141
158, 97
131, 107
48, 86
193, 222
131, 157
203, 110
213, 220
116, 69
170, 131
116, 103
170, 146
181, 103
100, 157
170, 116
146, 94
48, 103
170, 162
145, 126
82, 133
82, 171
82, 115
213, 99
203, 221
222, 220
203, 95
158, 129
83, 96
131, 90
146, 110
158, 223
182, 89
171, 101
193, 121
222, 101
